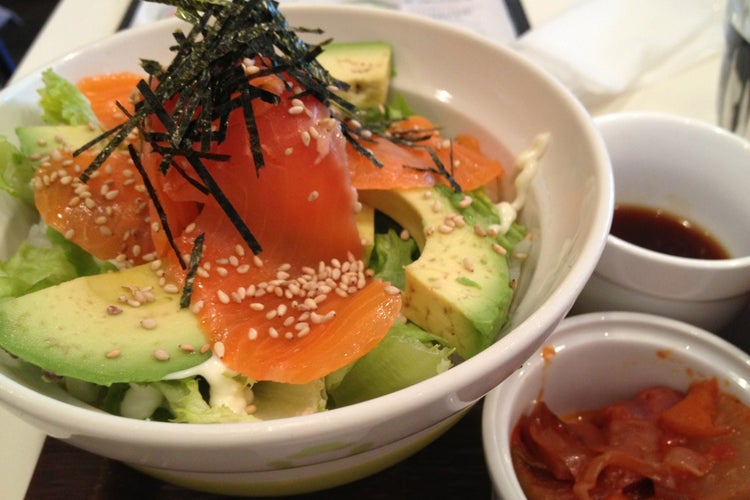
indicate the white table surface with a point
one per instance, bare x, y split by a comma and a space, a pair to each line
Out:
690, 93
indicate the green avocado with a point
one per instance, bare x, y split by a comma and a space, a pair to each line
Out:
365, 220
459, 287
39, 140
120, 326
365, 66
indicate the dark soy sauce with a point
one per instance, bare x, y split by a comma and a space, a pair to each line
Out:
664, 232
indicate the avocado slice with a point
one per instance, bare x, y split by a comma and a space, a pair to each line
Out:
459, 287
39, 140
365, 66
365, 220
86, 328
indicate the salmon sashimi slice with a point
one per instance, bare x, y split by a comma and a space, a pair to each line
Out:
109, 94
303, 306
407, 167
108, 216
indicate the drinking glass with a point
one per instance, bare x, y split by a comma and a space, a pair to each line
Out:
734, 82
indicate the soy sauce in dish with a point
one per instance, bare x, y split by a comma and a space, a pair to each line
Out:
665, 232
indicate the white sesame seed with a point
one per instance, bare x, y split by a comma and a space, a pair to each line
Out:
113, 310
303, 332
466, 201
499, 249
114, 353
305, 136
148, 323
219, 349
161, 354
468, 264
187, 347
223, 297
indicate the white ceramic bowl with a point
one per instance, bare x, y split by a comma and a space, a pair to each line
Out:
601, 358
505, 104
697, 171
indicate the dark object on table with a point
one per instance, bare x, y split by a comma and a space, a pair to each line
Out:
19, 31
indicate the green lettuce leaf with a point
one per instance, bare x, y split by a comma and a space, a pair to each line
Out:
62, 103
482, 212
186, 403
16, 172
47, 261
389, 256
407, 355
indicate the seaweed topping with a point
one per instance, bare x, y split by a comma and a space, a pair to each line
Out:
207, 79
195, 260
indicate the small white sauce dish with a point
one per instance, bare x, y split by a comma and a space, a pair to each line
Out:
697, 171
597, 359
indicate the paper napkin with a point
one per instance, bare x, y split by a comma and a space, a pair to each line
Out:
602, 48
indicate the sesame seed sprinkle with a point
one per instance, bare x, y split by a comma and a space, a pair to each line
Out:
161, 355
114, 310
114, 353
148, 323
219, 349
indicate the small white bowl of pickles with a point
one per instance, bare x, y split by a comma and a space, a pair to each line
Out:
622, 403
501, 99
677, 246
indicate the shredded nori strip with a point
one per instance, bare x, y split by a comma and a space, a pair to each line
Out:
194, 95
155, 200
195, 260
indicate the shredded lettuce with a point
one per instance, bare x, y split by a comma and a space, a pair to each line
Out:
62, 103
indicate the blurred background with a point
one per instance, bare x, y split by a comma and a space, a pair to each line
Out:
20, 21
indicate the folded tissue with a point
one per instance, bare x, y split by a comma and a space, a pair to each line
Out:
600, 49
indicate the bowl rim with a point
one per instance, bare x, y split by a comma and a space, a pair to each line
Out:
596, 327
92, 422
